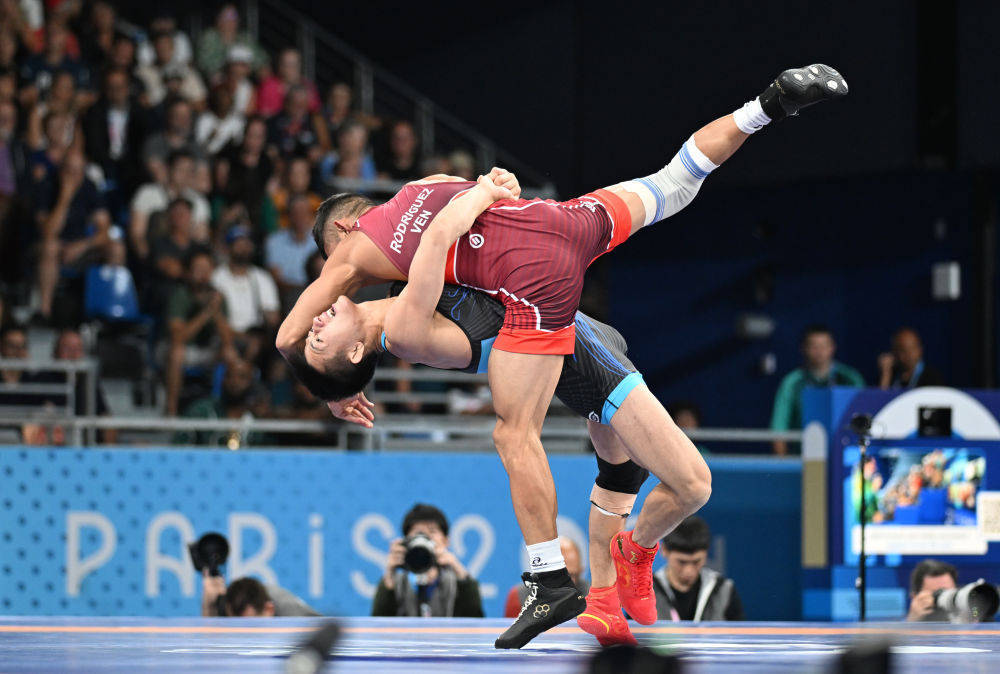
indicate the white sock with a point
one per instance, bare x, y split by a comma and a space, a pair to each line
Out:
751, 117
675, 185
545, 556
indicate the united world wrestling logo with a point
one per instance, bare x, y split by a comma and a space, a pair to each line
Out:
476, 240
541, 610
593, 417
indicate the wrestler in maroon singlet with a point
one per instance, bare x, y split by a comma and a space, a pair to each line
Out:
531, 253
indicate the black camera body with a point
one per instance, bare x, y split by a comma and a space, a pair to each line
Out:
420, 554
209, 552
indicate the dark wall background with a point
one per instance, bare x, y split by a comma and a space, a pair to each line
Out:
844, 209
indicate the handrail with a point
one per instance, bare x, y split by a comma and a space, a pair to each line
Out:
436, 428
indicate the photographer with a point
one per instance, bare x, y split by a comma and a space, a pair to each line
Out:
929, 576
422, 577
249, 598
245, 597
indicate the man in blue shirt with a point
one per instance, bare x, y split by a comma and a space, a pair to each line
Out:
819, 369
287, 250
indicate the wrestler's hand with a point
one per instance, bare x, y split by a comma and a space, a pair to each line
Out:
504, 178
492, 190
356, 410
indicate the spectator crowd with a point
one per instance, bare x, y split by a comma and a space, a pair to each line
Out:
156, 177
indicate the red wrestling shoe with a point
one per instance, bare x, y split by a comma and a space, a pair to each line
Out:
634, 566
603, 618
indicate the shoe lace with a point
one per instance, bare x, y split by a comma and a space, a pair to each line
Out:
645, 566
532, 593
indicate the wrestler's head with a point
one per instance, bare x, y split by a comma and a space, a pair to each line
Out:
339, 354
335, 218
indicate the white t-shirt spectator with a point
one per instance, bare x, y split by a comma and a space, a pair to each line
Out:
247, 296
146, 55
153, 197
288, 255
215, 133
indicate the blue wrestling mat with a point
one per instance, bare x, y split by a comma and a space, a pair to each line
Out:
43, 644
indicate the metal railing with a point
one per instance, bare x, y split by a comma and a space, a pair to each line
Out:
44, 411
396, 432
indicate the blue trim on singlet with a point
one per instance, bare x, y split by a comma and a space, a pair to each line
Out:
617, 397
600, 352
485, 346
465, 293
382, 339
689, 163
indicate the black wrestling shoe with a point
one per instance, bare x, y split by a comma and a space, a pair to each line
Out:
798, 88
543, 609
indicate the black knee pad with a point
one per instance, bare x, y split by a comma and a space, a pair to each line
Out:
624, 478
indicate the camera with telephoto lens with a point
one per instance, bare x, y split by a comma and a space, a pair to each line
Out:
420, 555
975, 602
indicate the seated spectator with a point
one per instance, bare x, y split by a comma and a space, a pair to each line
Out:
247, 170
819, 369
153, 198
402, 162
98, 33
49, 151
220, 125
164, 65
462, 164
177, 136
249, 598
351, 160
61, 98
687, 416
236, 79
14, 346
296, 182
113, 131
574, 565
241, 395
288, 75
76, 228
123, 58
169, 251
338, 108
199, 334
904, 367
215, 43
164, 23
69, 346
287, 250
928, 577
445, 591
38, 71
297, 131
250, 294
13, 157
685, 588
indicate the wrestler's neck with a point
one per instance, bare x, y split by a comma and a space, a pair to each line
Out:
373, 320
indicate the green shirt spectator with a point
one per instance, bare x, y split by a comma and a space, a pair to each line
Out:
185, 305
215, 43
819, 370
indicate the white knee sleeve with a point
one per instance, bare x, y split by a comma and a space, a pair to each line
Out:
675, 185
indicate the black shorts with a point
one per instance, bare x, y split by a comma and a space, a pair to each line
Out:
595, 380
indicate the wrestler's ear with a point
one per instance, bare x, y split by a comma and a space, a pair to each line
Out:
356, 352
344, 226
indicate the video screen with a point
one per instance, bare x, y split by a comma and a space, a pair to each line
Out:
917, 500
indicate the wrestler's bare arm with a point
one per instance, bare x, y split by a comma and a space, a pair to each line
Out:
355, 263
